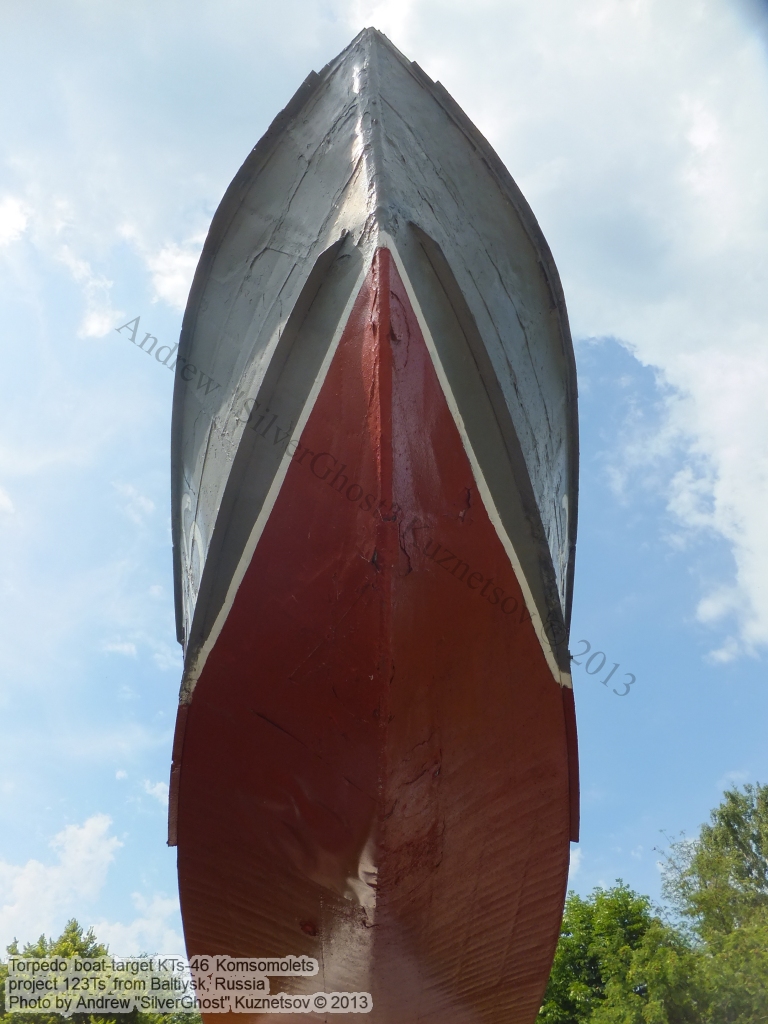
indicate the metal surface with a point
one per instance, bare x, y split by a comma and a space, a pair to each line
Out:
374, 527
371, 145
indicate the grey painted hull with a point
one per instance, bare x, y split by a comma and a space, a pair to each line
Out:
371, 144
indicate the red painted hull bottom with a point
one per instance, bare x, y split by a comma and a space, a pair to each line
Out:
373, 770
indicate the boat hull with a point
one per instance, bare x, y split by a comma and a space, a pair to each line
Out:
377, 768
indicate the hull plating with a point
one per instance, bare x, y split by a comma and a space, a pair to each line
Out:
374, 769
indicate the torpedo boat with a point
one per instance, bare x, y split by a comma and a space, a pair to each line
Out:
374, 494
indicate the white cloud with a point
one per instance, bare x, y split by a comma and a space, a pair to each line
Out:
732, 779
121, 647
100, 316
577, 856
129, 739
630, 128
724, 488
13, 220
121, 774
719, 603
36, 897
729, 650
137, 507
172, 269
167, 658
6, 505
159, 790
153, 931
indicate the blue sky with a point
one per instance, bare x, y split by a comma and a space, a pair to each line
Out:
636, 130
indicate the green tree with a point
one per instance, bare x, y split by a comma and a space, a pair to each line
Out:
619, 963
74, 941
719, 881
718, 884
662, 983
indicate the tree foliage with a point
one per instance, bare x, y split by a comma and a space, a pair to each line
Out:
74, 941
619, 962
719, 882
